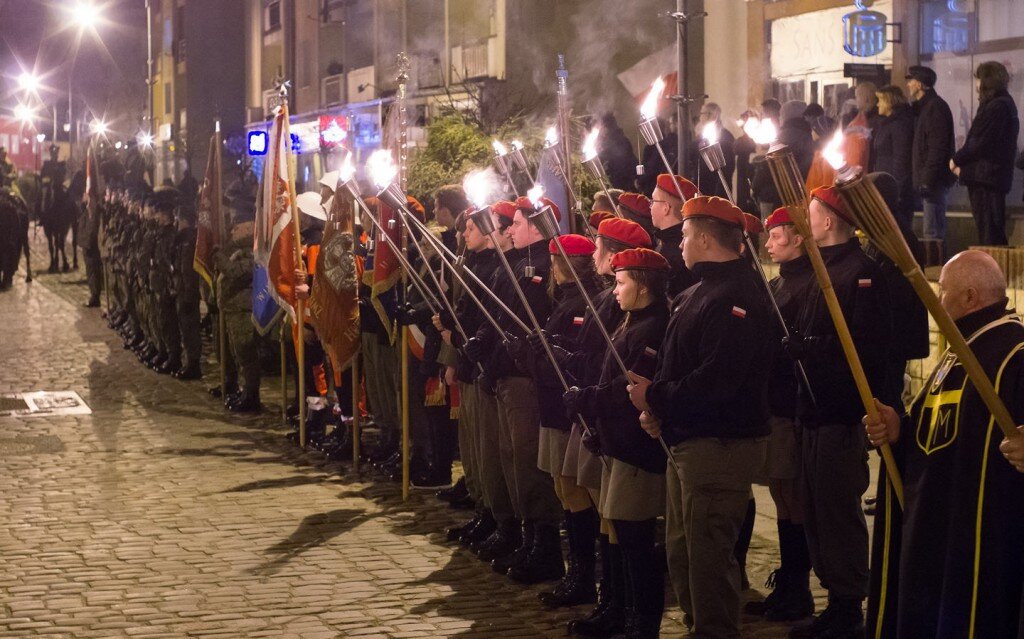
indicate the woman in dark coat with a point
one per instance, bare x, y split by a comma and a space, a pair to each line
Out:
893, 148
984, 163
632, 481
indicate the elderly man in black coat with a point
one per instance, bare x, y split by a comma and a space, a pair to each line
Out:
933, 147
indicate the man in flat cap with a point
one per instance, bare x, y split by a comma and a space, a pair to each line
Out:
933, 149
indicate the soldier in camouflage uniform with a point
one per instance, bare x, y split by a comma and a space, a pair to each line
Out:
185, 286
234, 267
163, 315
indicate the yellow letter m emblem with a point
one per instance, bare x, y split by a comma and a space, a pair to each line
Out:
939, 421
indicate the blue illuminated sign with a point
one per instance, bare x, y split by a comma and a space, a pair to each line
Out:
258, 142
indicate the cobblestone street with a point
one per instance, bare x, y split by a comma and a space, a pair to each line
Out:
160, 515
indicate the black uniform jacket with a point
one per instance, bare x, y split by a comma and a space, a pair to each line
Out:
864, 299
637, 342
713, 363
535, 287
954, 562
483, 264
668, 241
582, 359
563, 326
790, 288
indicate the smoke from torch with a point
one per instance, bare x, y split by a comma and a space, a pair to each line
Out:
381, 167
517, 145
347, 170
762, 132
590, 144
499, 148
649, 108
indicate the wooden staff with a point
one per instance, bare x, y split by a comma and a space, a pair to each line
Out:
355, 413
284, 377
403, 132
300, 305
875, 219
786, 176
217, 203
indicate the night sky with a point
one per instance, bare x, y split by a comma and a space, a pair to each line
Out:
109, 65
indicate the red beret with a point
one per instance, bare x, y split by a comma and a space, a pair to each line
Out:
639, 259
752, 224
505, 209
636, 203
523, 202
829, 196
599, 216
715, 207
624, 232
573, 245
778, 217
666, 184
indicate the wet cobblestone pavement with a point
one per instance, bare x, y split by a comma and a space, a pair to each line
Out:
160, 515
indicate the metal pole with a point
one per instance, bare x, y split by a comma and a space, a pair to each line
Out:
355, 413
149, 66
608, 340
444, 250
683, 84
284, 378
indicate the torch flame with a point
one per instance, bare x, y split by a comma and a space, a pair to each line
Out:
710, 133
649, 109
347, 170
535, 194
381, 167
590, 144
480, 186
499, 148
551, 137
761, 131
517, 145
833, 151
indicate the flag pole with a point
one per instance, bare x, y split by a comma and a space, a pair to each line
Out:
300, 305
403, 77
284, 376
222, 348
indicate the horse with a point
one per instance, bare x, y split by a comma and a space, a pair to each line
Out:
13, 237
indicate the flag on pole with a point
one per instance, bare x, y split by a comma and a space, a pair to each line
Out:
210, 229
275, 239
334, 300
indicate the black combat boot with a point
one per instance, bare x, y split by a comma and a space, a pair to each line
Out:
190, 372
503, 542
316, 426
502, 565
454, 533
607, 619
245, 401
544, 563
485, 525
643, 578
841, 619
454, 492
577, 587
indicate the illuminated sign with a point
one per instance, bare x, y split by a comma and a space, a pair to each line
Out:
864, 31
258, 142
333, 131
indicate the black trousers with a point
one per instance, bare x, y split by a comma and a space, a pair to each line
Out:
989, 210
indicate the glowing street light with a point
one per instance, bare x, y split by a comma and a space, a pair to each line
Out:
28, 82
145, 140
85, 15
40, 138
99, 127
24, 113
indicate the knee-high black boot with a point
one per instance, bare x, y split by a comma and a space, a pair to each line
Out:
645, 581
577, 587
608, 617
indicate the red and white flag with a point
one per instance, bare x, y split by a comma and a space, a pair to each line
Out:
274, 242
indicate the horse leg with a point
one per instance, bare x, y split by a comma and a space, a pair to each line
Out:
63, 237
51, 246
74, 244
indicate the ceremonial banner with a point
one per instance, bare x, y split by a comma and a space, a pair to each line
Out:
265, 309
210, 227
334, 300
387, 270
275, 241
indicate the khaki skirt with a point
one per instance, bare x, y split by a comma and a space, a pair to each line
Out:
630, 493
551, 450
579, 463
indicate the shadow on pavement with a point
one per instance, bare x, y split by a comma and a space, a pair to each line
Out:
313, 531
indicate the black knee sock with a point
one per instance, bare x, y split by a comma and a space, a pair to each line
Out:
644, 580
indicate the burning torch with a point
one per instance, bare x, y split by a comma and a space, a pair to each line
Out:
790, 185
650, 129
592, 163
544, 220
501, 163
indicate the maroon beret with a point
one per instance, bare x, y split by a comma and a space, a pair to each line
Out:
639, 259
714, 207
624, 232
505, 209
666, 184
636, 203
752, 224
778, 217
525, 203
573, 245
599, 216
829, 196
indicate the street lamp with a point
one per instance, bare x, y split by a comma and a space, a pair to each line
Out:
145, 140
85, 15
99, 127
28, 82
24, 113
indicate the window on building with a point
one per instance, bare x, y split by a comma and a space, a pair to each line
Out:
272, 16
1000, 19
333, 11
